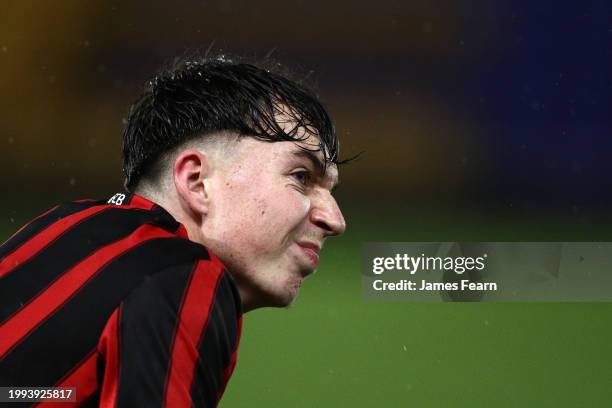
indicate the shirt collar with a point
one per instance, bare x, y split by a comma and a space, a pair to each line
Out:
164, 219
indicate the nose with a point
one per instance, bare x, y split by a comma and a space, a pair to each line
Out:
326, 215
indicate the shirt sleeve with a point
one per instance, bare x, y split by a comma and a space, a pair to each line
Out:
173, 341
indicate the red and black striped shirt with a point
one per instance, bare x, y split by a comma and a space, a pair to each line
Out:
111, 297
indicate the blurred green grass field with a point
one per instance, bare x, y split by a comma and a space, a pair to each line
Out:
333, 349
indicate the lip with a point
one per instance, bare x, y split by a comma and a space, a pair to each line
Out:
311, 252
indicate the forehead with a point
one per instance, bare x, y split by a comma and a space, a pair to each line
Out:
284, 154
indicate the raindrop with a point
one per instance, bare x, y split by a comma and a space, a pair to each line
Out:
72, 181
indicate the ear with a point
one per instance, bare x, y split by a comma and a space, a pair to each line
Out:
191, 172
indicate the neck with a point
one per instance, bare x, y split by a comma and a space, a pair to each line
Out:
195, 234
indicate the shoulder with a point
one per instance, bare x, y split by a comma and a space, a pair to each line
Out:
189, 286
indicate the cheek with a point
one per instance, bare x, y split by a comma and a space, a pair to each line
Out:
261, 213
246, 217
272, 217
286, 205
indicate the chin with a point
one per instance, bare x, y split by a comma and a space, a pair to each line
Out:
283, 296
282, 300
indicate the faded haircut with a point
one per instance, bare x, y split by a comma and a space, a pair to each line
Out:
207, 96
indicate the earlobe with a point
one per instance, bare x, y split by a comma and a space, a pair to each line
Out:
190, 173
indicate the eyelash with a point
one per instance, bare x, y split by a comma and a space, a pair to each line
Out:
307, 177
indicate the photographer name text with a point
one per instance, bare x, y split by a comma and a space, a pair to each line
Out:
423, 285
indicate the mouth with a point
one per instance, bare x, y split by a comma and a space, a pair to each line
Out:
310, 252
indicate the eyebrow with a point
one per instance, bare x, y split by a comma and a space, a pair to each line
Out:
317, 163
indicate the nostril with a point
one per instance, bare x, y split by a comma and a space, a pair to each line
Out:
323, 225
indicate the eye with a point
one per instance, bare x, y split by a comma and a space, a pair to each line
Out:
302, 176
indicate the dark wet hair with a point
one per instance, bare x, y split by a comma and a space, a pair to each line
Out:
197, 97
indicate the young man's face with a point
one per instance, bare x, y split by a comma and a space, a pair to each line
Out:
271, 209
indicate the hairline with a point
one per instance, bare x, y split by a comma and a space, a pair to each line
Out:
156, 178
